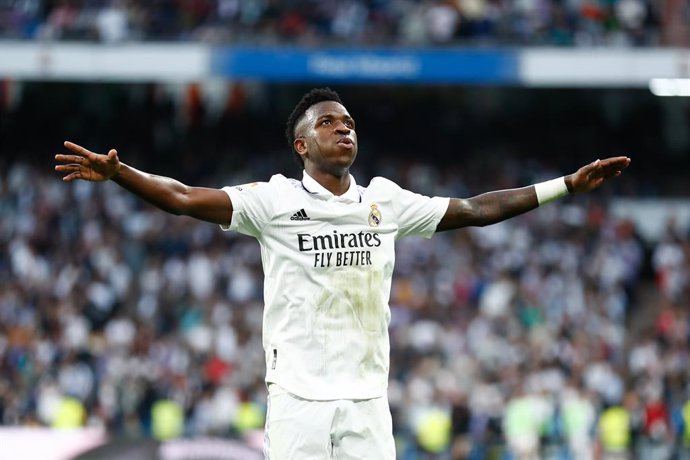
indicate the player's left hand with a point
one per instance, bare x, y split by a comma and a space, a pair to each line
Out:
594, 174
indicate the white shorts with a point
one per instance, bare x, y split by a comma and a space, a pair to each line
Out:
344, 429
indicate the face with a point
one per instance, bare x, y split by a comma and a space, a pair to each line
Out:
326, 139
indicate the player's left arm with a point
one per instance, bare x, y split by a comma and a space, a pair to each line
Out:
492, 207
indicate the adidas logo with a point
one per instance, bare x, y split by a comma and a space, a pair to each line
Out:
300, 215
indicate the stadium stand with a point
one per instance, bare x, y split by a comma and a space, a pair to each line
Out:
118, 307
110, 309
619, 23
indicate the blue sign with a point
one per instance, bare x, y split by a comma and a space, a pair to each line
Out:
366, 65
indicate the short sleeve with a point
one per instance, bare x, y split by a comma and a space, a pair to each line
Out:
418, 214
251, 207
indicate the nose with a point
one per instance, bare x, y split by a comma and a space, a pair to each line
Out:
342, 128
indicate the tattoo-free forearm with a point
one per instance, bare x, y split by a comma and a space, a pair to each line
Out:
488, 208
163, 192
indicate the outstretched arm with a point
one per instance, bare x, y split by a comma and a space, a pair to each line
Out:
492, 207
212, 205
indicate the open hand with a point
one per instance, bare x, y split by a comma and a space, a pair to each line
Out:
591, 176
87, 165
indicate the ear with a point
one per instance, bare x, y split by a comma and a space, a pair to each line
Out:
300, 145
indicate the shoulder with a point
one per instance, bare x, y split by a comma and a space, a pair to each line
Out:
280, 181
380, 190
288, 182
381, 185
275, 182
382, 182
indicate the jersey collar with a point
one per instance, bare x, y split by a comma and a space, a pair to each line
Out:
313, 187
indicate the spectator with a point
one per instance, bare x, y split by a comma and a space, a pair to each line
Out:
435, 22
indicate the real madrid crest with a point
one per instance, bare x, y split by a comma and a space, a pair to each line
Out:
374, 216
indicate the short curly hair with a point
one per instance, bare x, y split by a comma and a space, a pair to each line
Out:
314, 96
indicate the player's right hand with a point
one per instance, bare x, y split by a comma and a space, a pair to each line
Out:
87, 165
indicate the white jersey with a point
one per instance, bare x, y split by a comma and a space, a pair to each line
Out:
328, 262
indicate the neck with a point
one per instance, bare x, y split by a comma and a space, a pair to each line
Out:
337, 184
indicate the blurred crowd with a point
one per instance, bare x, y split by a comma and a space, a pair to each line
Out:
613, 23
513, 339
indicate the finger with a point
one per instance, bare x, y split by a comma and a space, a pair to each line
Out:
615, 167
73, 176
622, 158
616, 163
78, 149
67, 168
609, 167
70, 158
112, 155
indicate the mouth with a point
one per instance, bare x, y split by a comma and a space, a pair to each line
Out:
346, 141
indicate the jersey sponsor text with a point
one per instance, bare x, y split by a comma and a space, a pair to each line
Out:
339, 249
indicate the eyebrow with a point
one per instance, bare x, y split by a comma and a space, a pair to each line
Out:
331, 115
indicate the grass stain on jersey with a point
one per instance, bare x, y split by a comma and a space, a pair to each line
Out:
351, 307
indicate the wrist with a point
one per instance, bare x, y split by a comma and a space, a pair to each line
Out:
569, 183
551, 190
118, 170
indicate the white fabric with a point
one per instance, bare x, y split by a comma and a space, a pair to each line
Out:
301, 429
550, 190
328, 262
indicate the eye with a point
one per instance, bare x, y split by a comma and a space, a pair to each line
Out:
326, 122
350, 124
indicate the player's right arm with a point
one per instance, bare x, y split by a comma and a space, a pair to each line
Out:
211, 205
